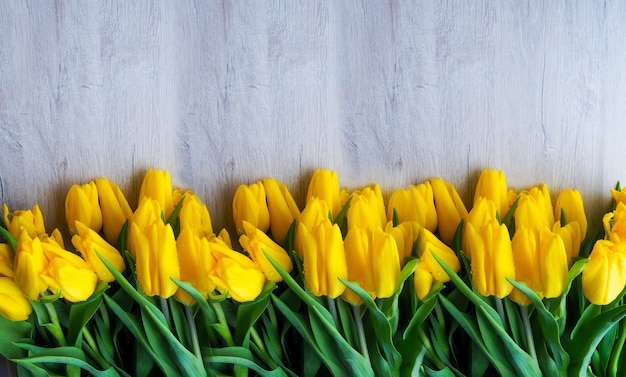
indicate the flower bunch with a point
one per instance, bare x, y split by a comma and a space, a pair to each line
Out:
347, 283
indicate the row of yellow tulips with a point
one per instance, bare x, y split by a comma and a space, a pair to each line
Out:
506, 235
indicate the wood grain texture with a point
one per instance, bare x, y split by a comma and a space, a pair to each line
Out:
227, 92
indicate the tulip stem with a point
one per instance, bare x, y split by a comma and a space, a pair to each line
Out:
166, 312
361, 331
500, 309
332, 307
529, 332
56, 330
193, 332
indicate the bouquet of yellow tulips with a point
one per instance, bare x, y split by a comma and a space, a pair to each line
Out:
419, 284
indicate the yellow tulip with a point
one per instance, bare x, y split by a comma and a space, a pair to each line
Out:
450, 208
81, 204
14, 306
148, 212
324, 184
534, 208
427, 244
31, 220
422, 280
256, 242
492, 259
314, 213
195, 215
324, 259
235, 273
156, 259
76, 281
571, 236
157, 185
6, 260
196, 264
492, 185
618, 196
114, 207
530, 213
88, 242
282, 208
405, 235
615, 223
571, 202
604, 275
482, 213
540, 261
373, 262
367, 209
30, 263
250, 204
415, 203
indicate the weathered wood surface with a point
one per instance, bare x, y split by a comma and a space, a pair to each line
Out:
227, 92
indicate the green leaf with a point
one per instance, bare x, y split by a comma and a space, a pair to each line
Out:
81, 313
471, 328
69, 356
10, 238
11, 332
549, 327
189, 364
381, 326
249, 312
303, 326
583, 343
164, 361
243, 357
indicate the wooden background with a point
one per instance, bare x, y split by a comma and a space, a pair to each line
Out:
221, 93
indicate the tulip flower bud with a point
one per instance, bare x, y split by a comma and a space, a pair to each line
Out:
571, 236
114, 207
492, 185
236, 273
14, 306
88, 242
30, 263
373, 262
196, 264
571, 203
250, 204
76, 281
415, 203
324, 184
530, 213
492, 259
256, 242
31, 220
540, 261
422, 280
324, 259
367, 209
81, 204
282, 208
157, 185
405, 235
148, 212
6, 260
427, 244
534, 208
450, 208
604, 275
314, 213
482, 213
615, 223
156, 258
195, 215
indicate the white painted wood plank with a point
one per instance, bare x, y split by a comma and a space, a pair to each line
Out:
227, 92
